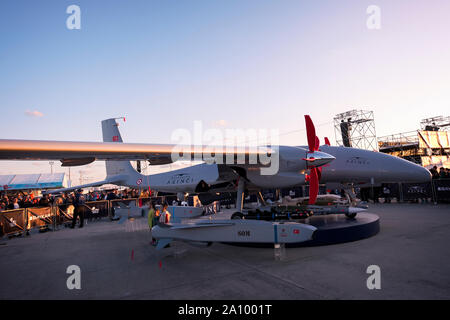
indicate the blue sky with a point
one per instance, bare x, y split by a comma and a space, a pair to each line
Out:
253, 64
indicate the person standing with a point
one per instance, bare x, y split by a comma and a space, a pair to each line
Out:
112, 195
165, 215
157, 214
78, 203
434, 173
16, 204
151, 215
152, 219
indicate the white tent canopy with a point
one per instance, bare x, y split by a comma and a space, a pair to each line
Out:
33, 181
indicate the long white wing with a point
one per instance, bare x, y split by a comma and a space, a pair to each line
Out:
78, 153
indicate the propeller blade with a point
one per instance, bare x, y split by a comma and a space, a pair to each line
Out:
313, 186
317, 144
311, 133
327, 142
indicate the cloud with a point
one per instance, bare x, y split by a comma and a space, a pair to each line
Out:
35, 113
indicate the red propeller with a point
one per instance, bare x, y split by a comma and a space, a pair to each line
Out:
311, 133
313, 144
327, 142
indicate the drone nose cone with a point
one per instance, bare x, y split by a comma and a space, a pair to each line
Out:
422, 174
318, 159
412, 173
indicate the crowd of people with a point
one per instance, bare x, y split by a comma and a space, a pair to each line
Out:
21, 200
442, 173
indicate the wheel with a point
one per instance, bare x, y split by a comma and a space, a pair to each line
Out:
351, 215
237, 215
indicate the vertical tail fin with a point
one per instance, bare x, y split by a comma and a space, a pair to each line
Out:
110, 130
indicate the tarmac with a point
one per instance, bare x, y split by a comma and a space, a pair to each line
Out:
118, 262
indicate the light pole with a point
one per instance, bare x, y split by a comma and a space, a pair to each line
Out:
51, 166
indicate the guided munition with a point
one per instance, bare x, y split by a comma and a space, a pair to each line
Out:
242, 231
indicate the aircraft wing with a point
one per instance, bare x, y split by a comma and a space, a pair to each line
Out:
72, 153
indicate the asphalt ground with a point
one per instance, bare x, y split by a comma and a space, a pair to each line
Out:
116, 261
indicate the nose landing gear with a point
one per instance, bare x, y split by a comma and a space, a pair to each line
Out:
237, 215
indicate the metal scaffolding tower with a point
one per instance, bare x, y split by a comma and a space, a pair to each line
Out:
439, 123
407, 145
356, 129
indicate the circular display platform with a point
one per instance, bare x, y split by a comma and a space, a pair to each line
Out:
333, 229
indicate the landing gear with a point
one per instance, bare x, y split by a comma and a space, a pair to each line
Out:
237, 215
239, 200
240, 195
261, 199
350, 195
351, 215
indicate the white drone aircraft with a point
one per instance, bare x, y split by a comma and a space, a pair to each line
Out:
297, 165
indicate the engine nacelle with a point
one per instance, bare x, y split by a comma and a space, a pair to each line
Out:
76, 162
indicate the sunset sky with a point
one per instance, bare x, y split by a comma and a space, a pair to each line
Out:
231, 64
